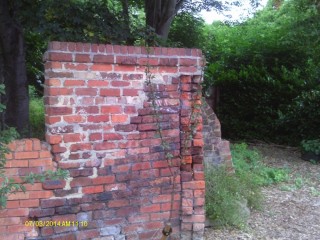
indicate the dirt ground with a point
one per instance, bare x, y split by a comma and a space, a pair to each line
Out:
291, 209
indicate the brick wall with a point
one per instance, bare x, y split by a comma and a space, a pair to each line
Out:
216, 151
101, 126
26, 156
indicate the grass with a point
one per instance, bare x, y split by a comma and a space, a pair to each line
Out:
230, 197
36, 116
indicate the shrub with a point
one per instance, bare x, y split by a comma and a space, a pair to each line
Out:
229, 197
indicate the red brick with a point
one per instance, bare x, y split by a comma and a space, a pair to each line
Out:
141, 166
95, 136
165, 69
153, 225
160, 164
92, 189
187, 61
77, 67
40, 194
119, 118
115, 109
74, 119
198, 175
134, 151
12, 204
53, 65
120, 83
10, 221
193, 185
129, 144
101, 67
19, 212
148, 61
139, 218
110, 92
133, 76
112, 136
83, 58
86, 91
87, 110
105, 146
126, 60
17, 163
49, 203
147, 127
59, 91
118, 203
74, 83
52, 119
150, 208
98, 118
124, 68
59, 111
190, 69
130, 110
72, 137
53, 139
194, 218
103, 180
40, 162
168, 62
19, 196
103, 59
88, 234
81, 181
130, 92
162, 198
60, 57
26, 155
98, 83
126, 211
168, 206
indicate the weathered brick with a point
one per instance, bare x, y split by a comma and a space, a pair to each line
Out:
49, 203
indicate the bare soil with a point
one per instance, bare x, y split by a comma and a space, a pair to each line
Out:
291, 210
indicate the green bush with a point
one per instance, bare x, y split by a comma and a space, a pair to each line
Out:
267, 71
36, 117
229, 197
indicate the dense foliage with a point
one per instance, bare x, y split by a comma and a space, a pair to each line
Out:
268, 72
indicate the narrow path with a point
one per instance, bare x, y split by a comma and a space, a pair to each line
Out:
291, 209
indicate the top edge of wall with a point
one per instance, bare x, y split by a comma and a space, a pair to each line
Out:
121, 49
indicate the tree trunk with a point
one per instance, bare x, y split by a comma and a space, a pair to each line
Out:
159, 15
12, 51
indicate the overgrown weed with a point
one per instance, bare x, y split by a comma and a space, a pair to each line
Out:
230, 197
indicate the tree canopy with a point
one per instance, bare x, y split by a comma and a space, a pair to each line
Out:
267, 70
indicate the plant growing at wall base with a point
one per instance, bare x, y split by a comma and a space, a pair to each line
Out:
229, 197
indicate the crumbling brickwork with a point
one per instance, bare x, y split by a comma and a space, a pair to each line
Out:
101, 126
